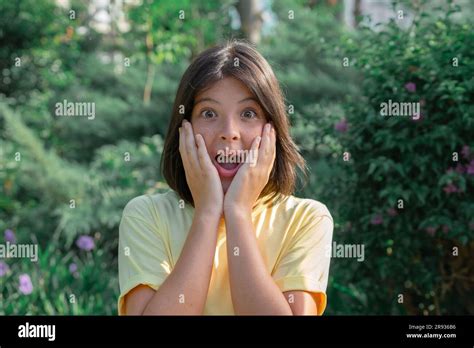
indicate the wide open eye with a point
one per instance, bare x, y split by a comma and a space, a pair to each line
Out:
208, 113
249, 114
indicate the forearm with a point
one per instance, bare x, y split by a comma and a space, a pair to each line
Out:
185, 290
253, 290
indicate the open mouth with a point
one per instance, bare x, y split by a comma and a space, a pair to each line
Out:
227, 166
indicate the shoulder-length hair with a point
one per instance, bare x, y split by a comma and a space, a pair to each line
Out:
241, 61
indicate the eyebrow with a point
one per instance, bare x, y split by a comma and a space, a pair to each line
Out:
248, 98
217, 102
206, 99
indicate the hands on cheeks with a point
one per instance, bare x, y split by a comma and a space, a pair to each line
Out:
201, 175
252, 177
203, 178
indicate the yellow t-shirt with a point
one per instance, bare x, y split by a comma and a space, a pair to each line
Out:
294, 237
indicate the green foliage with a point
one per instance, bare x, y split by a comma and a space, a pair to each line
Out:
33, 43
99, 193
118, 102
174, 30
36, 202
307, 54
75, 175
117, 173
58, 289
409, 251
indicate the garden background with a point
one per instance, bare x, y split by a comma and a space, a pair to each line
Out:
401, 187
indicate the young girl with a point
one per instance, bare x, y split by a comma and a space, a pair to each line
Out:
229, 238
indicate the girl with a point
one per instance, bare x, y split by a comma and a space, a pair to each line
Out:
229, 238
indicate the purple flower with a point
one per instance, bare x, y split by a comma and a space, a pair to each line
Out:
73, 268
3, 268
470, 168
341, 126
10, 236
376, 219
450, 188
411, 87
392, 212
431, 230
26, 287
465, 151
446, 228
85, 243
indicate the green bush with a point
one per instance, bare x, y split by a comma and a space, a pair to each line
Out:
336, 109
426, 164
307, 55
63, 282
35, 203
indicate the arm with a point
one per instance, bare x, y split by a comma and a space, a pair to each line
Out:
301, 302
252, 287
184, 291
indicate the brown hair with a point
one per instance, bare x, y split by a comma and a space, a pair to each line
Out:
241, 61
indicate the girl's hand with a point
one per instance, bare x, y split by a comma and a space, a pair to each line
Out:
251, 178
201, 175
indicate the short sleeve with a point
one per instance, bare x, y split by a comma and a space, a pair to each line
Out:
305, 263
142, 256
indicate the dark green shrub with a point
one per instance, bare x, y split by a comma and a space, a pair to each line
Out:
426, 164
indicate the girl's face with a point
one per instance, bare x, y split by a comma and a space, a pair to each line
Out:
229, 118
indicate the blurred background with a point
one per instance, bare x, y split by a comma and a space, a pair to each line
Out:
402, 188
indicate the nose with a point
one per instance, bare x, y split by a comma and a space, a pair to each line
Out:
229, 130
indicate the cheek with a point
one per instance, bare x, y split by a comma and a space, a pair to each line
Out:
206, 130
250, 136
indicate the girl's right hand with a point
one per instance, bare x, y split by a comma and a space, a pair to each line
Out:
201, 175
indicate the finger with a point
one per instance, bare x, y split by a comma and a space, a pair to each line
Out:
268, 148
273, 143
190, 146
182, 150
204, 159
254, 151
188, 167
266, 141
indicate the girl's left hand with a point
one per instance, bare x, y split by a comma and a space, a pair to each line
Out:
252, 177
